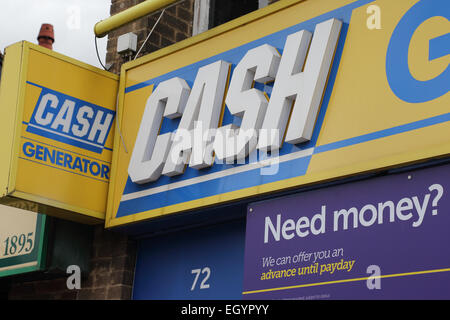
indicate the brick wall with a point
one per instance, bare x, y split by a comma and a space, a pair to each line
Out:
174, 26
111, 277
113, 258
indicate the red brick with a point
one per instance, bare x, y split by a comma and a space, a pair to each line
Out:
122, 277
25, 288
176, 23
92, 294
186, 15
50, 286
180, 36
119, 292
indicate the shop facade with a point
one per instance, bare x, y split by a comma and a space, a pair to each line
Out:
299, 151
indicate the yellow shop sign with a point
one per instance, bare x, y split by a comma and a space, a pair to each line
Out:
297, 93
57, 119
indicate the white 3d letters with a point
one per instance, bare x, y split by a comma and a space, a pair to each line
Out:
300, 76
203, 110
303, 89
168, 99
259, 64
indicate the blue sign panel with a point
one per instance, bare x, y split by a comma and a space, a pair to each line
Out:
70, 120
204, 263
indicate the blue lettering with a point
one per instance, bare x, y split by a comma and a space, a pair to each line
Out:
105, 171
59, 158
77, 164
28, 149
49, 155
402, 83
86, 164
96, 171
39, 152
67, 160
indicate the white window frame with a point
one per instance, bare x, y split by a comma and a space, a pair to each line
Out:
201, 15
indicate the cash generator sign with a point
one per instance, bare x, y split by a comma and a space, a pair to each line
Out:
57, 123
252, 119
73, 122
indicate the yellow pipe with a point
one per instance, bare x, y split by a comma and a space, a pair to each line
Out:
102, 28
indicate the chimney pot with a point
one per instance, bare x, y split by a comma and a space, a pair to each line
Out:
46, 36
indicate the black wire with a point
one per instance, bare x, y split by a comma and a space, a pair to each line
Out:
98, 56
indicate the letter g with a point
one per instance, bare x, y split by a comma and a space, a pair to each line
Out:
402, 83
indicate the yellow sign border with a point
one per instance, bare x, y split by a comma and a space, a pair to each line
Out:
388, 162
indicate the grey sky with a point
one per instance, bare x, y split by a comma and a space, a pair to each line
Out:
73, 22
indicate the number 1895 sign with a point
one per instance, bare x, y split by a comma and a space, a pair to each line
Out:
21, 239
